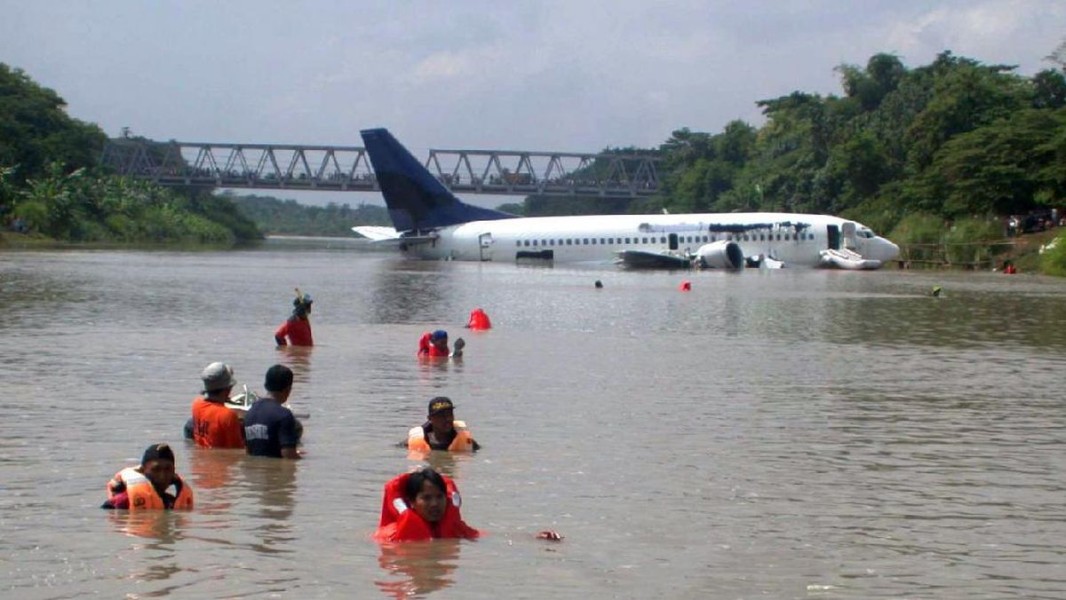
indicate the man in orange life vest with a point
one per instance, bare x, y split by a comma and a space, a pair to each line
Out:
214, 425
423, 505
146, 487
296, 330
441, 431
435, 345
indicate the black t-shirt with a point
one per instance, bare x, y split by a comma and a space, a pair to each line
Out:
269, 427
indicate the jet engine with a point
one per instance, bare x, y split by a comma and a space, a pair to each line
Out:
721, 255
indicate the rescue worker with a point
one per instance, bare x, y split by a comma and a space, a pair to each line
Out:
214, 425
423, 505
147, 487
441, 431
270, 429
296, 330
435, 345
478, 321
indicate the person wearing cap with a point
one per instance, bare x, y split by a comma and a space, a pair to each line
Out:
296, 330
214, 425
147, 487
441, 431
435, 345
270, 428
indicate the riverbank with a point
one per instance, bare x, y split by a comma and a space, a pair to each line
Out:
10, 240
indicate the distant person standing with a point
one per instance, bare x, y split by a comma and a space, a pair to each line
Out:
296, 330
270, 429
214, 425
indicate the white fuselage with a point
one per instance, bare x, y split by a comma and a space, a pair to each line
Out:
601, 237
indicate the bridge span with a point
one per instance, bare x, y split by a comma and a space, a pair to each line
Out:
347, 168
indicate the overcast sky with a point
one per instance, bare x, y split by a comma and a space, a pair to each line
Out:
564, 75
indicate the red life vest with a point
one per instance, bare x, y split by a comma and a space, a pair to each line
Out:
399, 523
427, 348
142, 495
479, 320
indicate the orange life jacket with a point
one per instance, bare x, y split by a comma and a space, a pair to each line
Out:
142, 494
399, 523
463, 442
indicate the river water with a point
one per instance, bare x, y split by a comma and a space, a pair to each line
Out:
783, 434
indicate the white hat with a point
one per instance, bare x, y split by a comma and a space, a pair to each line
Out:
217, 376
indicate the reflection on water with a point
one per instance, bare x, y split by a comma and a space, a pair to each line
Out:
406, 289
418, 568
297, 358
273, 483
164, 527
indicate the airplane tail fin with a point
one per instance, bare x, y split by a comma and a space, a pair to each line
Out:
416, 200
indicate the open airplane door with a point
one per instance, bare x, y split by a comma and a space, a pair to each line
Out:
851, 241
833, 236
484, 242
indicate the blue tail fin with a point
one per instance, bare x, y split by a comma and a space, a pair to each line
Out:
415, 198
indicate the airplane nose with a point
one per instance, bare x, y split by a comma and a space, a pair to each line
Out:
888, 250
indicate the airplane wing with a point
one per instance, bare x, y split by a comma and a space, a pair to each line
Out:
642, 259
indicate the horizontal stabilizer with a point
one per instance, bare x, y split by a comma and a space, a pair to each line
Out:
377, 233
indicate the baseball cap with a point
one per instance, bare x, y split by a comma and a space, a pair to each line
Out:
157, 452
439, 405
439, 334
217, 376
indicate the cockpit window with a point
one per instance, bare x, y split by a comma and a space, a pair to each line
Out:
866, 233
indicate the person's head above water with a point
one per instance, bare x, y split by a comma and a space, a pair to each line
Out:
441, 414
301, 306
217, 377
439, 338
425, 493
157, 464
278, 379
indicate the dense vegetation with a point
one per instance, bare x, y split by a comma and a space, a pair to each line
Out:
50, 183
287, 217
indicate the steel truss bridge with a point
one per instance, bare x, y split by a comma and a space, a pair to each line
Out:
347, 168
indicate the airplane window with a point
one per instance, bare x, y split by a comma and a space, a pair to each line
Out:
525, 242
518, 243
714, 238
705, 239
585, 241
569, 242
662, 240
603, 241
762, 237
593, 241
534, 242
628, 241
786, 237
